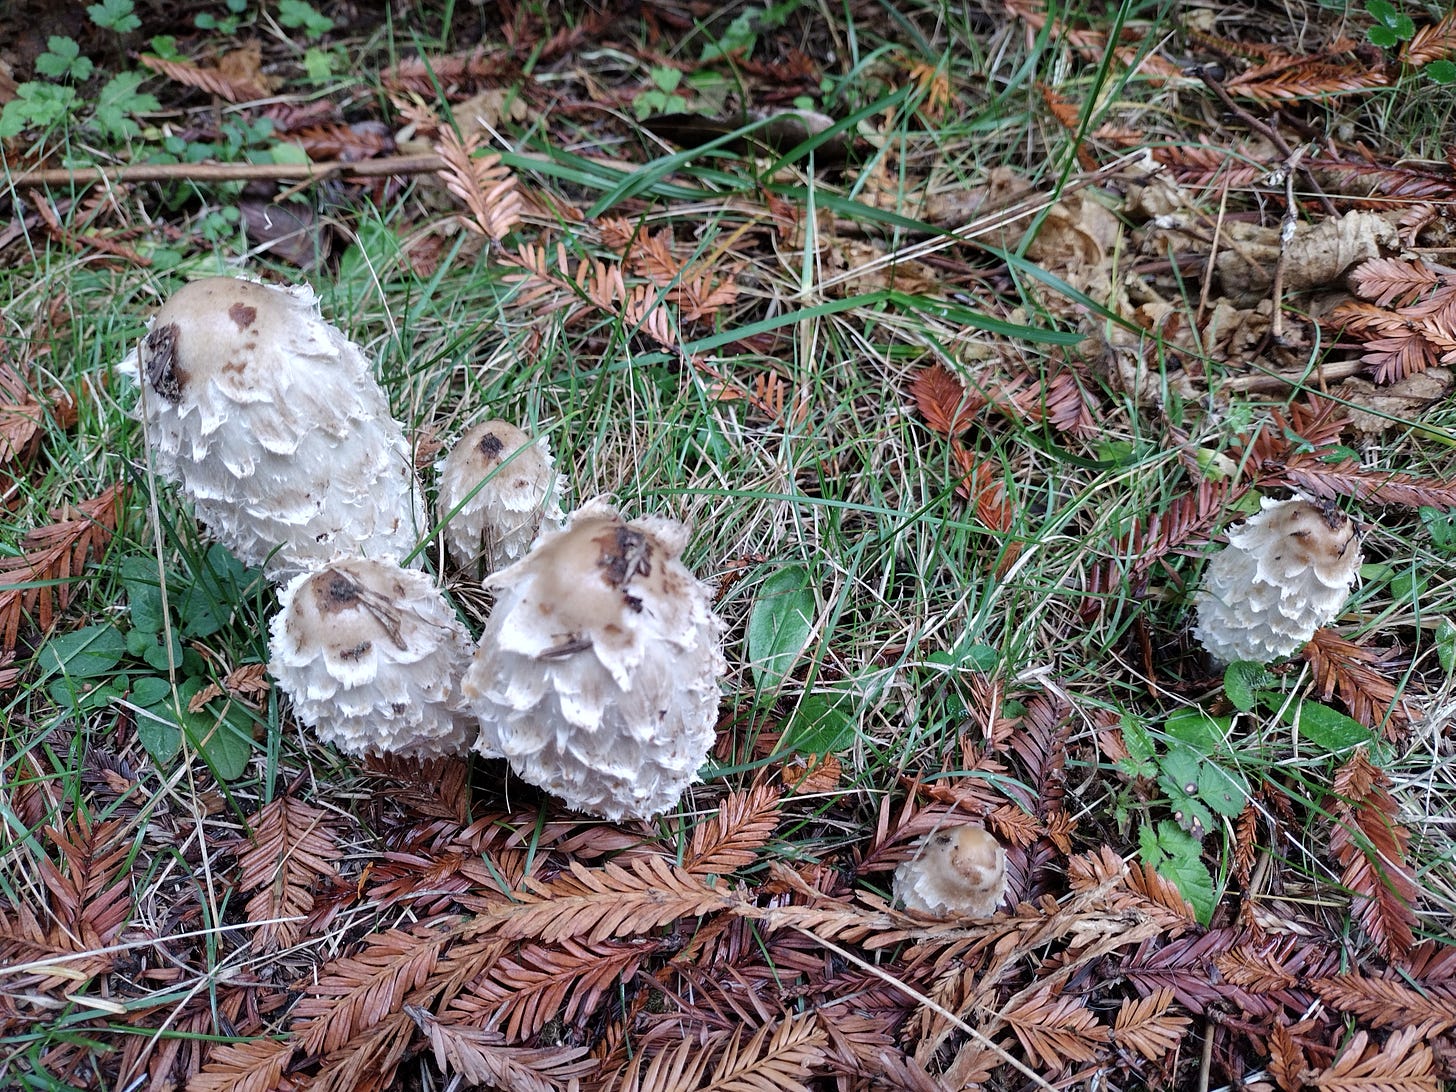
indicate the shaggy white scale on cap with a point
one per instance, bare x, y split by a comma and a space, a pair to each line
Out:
371, 655
954, 873
597, 674
1285, 572
271, 420
500, 487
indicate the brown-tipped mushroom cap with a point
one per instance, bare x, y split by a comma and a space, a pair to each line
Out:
954, 873
272, 422
596, 675
496, 489
371, 654
1286, 571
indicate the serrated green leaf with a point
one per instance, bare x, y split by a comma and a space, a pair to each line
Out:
1177, 857
1225, 791
1179, 770
63, 59
1446, 645
1241, 680
779, 625
822, 724
117, 15
1140, 748
1440, 523
1442, 71
85, 653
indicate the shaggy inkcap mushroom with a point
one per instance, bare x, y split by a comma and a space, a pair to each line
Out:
1285, 572
273, 423
954, 873
500, 487
371, 655
596, 676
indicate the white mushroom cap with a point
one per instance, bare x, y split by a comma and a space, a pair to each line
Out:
954, 873
271, 420
1286, 571
596, 676
371, 654
500, 487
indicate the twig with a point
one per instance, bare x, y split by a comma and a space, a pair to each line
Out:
229, 172
1265, 130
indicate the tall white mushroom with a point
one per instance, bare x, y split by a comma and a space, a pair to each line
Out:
1286, 571
496, 488
596, 675
371, 655
954, 873
273, 423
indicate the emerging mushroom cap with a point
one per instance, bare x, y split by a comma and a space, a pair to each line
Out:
1286, 571
959, 872
371, 654
596, 675
500, 487
271, 420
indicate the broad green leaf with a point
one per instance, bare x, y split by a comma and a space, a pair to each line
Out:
1205, 734
1327, 727
821, 725
779, 625
86, 653
67, 694
218, 586
143, 596
156, 653
216, 735
150, 690
156, 721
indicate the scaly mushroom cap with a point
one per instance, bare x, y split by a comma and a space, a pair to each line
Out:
1285, 572
500, 487
954, 873
371, 653
272, 422
596, 676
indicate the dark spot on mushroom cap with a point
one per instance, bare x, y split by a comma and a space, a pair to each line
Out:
625, 553
242, 315
358, 652
491, 445
159, 360
336, 593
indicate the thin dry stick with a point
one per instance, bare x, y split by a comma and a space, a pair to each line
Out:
229, 172
915, 994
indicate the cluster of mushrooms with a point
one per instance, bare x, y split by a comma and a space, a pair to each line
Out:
596, 676
596, 673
